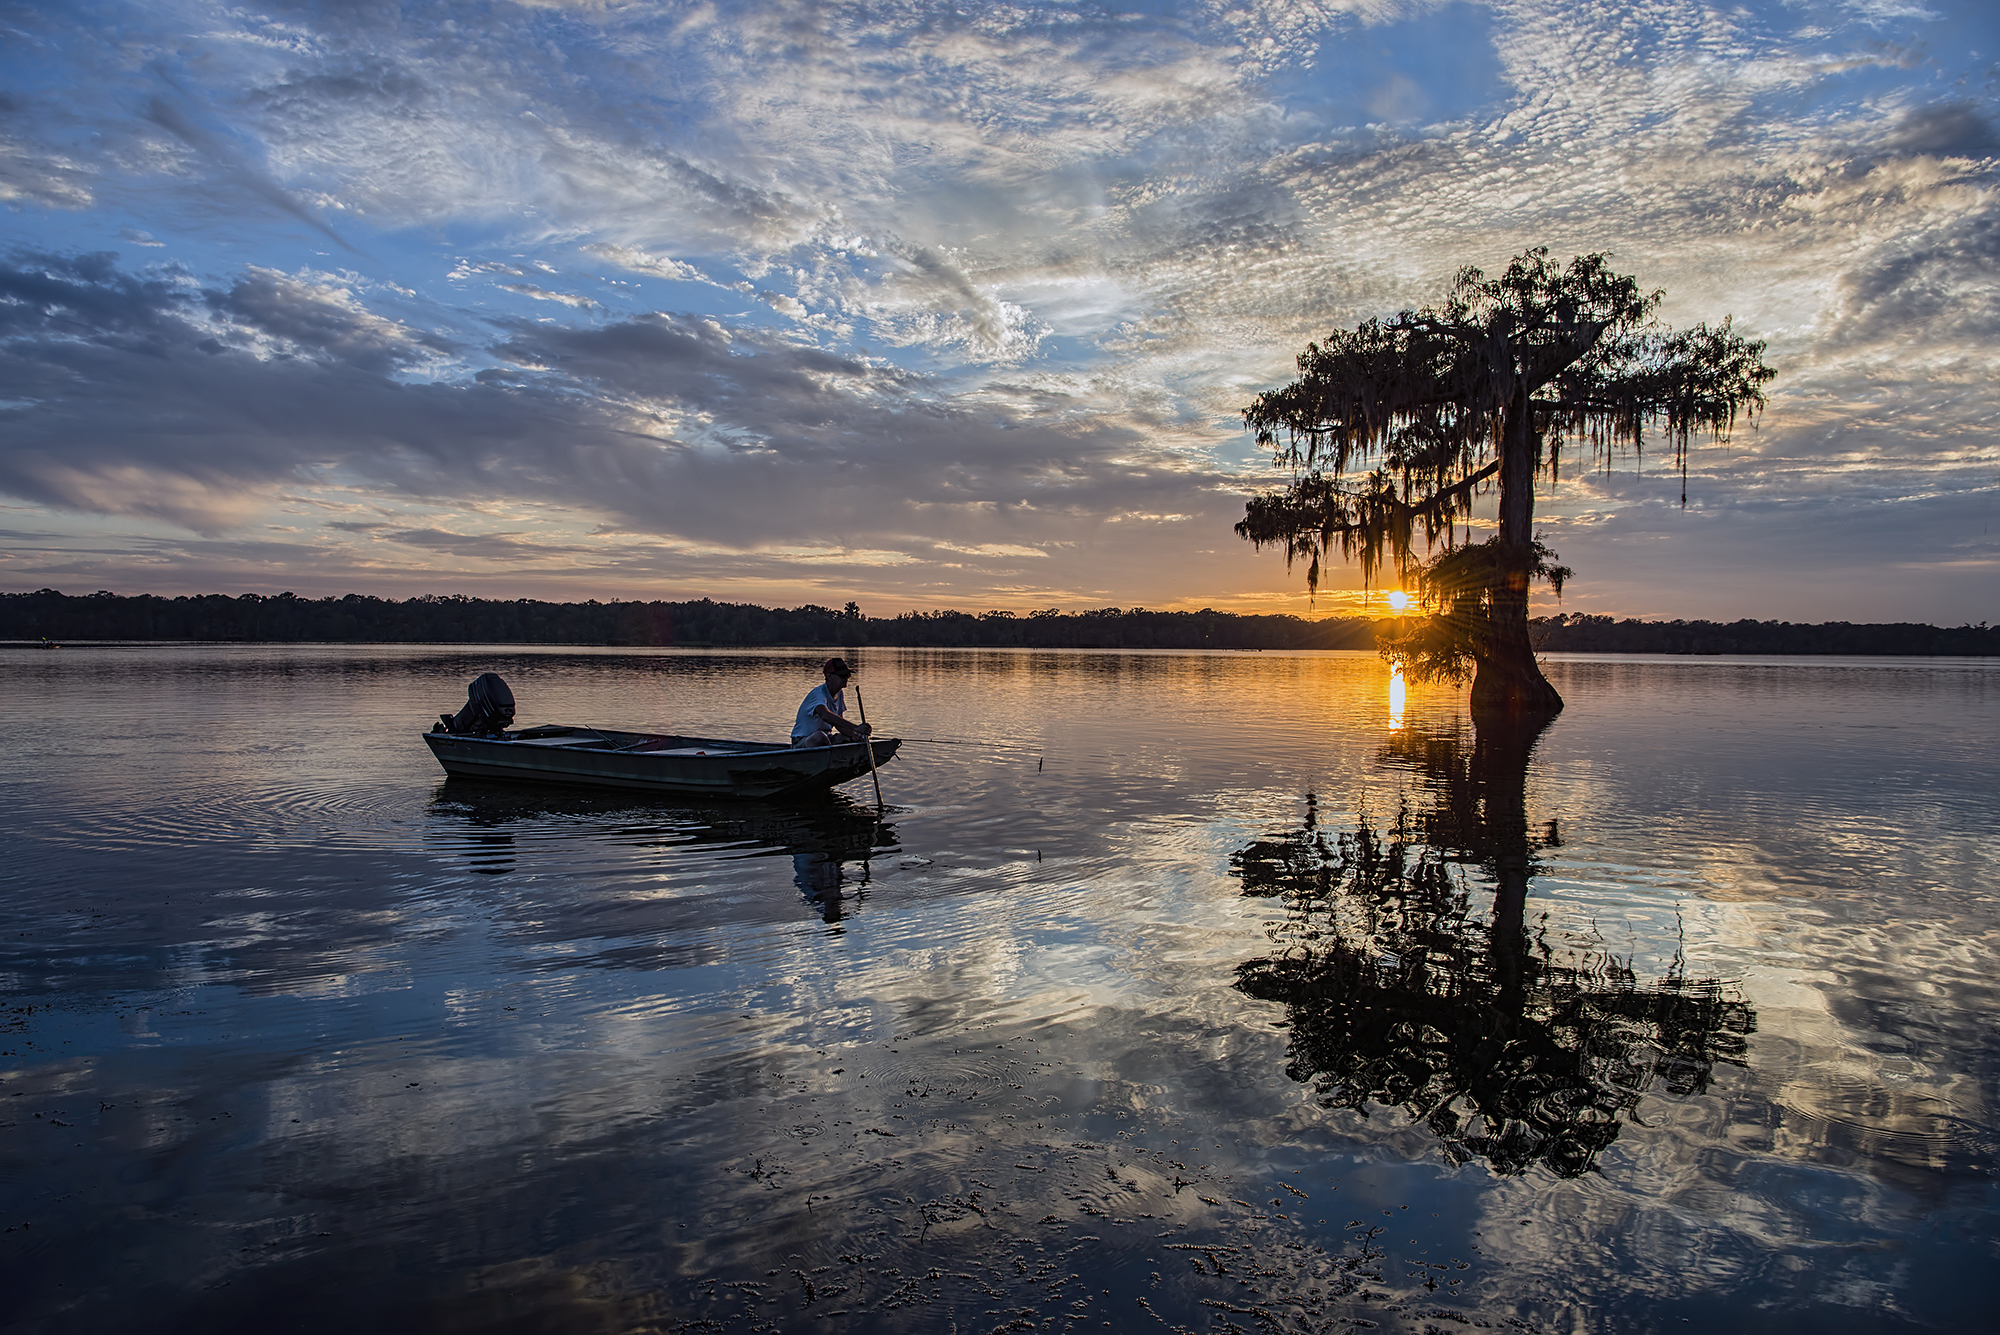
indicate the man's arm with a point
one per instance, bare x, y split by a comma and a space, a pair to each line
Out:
846, 729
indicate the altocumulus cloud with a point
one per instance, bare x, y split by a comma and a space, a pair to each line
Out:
954, 304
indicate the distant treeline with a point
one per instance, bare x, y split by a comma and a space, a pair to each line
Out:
1587, 634
456, 619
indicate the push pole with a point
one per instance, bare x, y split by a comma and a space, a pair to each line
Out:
869, 742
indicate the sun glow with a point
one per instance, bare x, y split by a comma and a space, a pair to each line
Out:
1399, 601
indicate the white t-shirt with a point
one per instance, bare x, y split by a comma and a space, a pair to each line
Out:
807, 721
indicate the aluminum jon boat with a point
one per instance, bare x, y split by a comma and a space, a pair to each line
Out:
655, 762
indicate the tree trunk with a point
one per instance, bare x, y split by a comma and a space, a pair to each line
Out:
1508, 683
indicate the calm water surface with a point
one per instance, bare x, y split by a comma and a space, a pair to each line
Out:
1203, 990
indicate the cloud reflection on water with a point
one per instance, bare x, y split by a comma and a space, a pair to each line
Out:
590, 1059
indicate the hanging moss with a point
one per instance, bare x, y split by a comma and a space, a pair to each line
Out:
1392, 431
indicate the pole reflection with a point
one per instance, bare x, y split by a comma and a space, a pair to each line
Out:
1401, 993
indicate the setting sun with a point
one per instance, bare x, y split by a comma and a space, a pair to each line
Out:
1399, 600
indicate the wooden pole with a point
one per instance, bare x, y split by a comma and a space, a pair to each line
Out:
869, 742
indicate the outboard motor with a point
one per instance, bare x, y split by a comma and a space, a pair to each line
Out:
488, 712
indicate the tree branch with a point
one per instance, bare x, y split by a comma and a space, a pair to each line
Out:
1438, 499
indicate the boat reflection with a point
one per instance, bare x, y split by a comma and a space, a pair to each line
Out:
830, 842
1401, 993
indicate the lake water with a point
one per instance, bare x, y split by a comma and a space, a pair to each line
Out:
1199, 990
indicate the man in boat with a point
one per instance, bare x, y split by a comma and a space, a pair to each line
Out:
822, 719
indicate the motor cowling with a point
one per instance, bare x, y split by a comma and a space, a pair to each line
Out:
488, 712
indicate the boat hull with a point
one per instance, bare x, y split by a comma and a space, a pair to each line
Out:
655, 762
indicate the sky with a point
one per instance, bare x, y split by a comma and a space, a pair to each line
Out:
931, 305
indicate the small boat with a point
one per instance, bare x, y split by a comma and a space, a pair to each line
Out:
655, 762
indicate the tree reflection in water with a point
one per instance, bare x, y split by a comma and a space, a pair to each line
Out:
1400, 994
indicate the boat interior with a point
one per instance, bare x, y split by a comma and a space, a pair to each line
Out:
567, 737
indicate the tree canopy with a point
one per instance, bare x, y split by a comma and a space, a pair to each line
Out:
1393, 429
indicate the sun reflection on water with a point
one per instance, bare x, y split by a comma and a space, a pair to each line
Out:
1396, 692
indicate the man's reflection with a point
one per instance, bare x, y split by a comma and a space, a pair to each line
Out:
830, 857
830, 842
1399, 993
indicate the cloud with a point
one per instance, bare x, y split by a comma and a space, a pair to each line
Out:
233, 167
570, 299
680, 426
785, 305
1928, 286
87, 297
314, 317
1954, 129
657, 266
994, 549
38, 173
999, 277
482, 546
